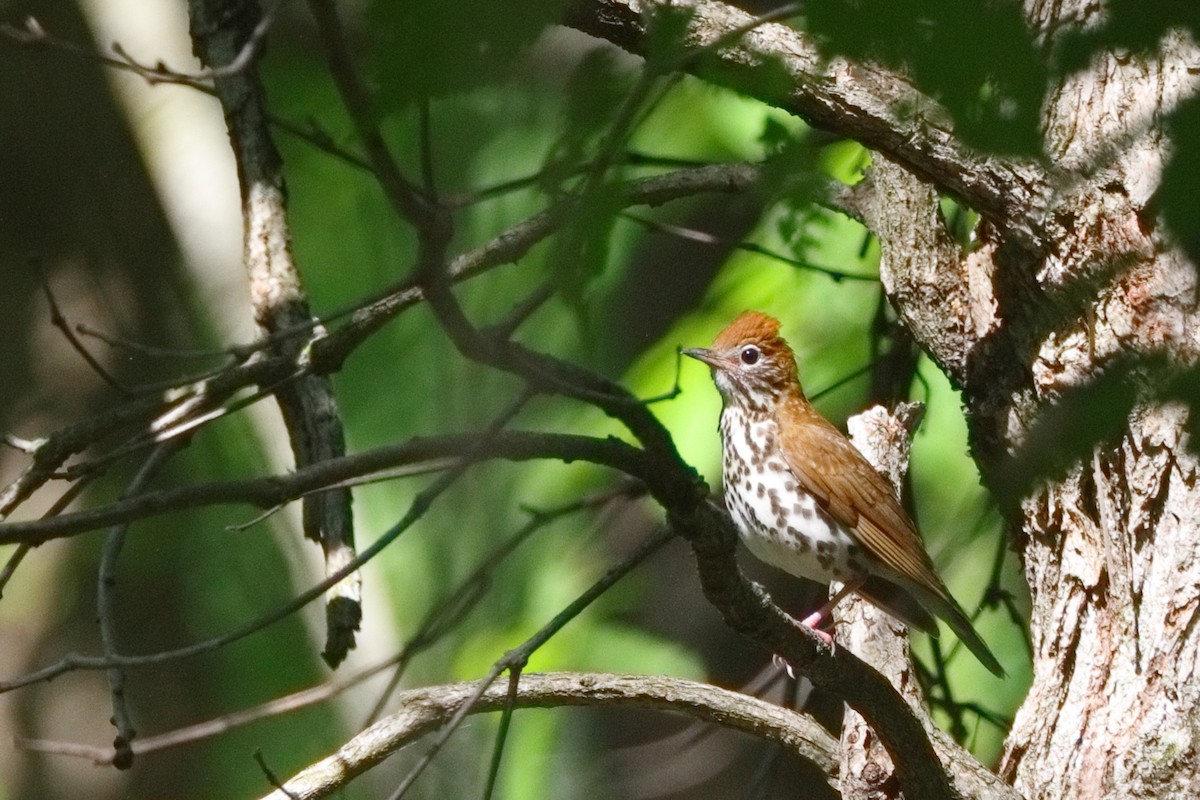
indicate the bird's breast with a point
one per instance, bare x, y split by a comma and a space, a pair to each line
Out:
780, 523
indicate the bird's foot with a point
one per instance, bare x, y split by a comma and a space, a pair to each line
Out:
813, 623
783, 665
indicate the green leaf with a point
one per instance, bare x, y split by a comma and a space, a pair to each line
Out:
580, 252
595, 88
1128, 25
1177, 193
427, 48
666, 30
978, 59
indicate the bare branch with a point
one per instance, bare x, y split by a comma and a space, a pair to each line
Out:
426, 710
56, 508
455, 607
858, 101
106, 611
272, 490
242, 61
59, 320
197, 397
441, 618
705, 238
515, 660
33, 34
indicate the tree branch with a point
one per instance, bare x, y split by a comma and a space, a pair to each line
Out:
440, 619
406, 198
223, 34
858, 101
274, 490
866, 770
425, 710
190, 399
417, 508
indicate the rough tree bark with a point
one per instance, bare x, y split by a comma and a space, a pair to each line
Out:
1109, 549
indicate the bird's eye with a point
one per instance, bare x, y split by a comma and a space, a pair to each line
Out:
750, 355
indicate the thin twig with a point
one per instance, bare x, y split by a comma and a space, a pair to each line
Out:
56, 508
735, 33
14, 561
440, 619
59, 320
406, 198
50, 452
443, 616
407, 471
271, 490
506, 715
177, 422
106, 611
117, 342
240, 62
701, 237
35, 35
840, 382
628, 158
270, 775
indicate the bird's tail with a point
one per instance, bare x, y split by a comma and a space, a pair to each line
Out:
945, 607
898, 602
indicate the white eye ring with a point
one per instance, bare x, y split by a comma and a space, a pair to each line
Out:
750, 355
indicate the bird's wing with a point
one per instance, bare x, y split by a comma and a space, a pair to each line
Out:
856, 495
862, 500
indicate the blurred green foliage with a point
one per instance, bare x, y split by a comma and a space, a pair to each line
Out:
512, 98
421, 49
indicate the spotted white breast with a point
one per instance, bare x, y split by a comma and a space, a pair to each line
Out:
780, 523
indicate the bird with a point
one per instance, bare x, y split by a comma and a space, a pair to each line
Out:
805, 500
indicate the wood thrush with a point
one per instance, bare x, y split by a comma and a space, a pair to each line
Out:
805, 500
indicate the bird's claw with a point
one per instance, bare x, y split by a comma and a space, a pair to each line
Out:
782, 664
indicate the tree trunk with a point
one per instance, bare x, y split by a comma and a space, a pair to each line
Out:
1109, 546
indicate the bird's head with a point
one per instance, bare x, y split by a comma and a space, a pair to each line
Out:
751, 364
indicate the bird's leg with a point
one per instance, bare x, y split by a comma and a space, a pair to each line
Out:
814, 619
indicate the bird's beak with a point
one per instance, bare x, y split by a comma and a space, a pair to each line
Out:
705, 355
